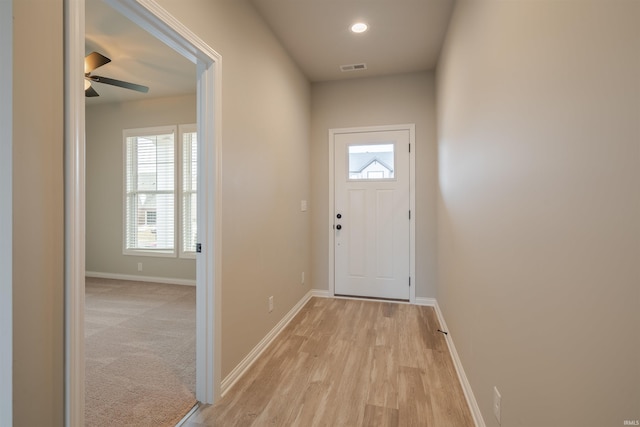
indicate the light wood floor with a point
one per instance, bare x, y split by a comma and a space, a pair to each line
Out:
348, 363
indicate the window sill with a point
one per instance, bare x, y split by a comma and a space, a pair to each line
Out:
149, 253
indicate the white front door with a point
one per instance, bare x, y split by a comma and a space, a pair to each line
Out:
372, 213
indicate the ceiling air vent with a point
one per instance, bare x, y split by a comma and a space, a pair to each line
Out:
353, 67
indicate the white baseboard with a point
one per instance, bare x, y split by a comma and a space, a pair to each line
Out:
466, 386
320, 293
254, 354
429, 302
134, 278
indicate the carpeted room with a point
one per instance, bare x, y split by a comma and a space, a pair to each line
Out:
139, 352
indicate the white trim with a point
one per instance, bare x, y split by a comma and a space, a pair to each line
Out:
321, 293
331, 274
134, 278
148, 253
255, 353
412, 199
150, 16
429, 302
74, 173
6, 213
464, 382
209, 261
412, 208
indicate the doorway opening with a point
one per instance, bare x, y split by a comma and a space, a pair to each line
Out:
163, 26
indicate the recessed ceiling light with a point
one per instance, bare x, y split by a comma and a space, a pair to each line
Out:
359, 27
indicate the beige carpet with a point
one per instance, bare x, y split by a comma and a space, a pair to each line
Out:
140, 353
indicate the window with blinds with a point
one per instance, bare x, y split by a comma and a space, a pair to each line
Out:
160, 175
189, 195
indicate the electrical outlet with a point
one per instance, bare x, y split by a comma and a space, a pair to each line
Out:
303, 205
302, 279
497, 404
270, 304
139, 266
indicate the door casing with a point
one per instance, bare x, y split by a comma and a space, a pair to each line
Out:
412, 202
157, 21
6, 213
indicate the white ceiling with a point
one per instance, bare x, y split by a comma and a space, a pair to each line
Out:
403, 36
136, 57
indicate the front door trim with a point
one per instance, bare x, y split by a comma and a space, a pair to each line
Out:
412, 200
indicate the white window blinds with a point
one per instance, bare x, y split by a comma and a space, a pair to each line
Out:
161, 174
189, 185
150, 190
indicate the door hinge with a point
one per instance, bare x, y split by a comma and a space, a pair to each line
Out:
409, 213
409, 281
409, 147
199, 247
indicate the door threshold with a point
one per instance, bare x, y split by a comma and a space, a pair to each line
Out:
188, 415
372, 298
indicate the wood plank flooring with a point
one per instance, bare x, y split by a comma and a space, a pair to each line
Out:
348, 363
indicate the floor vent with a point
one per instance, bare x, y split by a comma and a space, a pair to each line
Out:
353, 67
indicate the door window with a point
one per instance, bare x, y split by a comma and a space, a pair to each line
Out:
371, 162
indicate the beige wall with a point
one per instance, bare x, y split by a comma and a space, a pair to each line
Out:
265, 172
265, 175
406, 98
38, 252
104, 184
539, 209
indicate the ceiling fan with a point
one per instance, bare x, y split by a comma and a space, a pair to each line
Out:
95, 60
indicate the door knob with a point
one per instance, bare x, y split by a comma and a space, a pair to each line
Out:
339, 227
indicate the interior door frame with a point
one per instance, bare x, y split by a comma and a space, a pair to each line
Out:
6, 213
411, 127
157, 21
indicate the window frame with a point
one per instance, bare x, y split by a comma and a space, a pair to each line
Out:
138, 132
178, 191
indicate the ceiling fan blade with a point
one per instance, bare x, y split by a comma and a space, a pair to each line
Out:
90, 92
93, 61
119, 83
